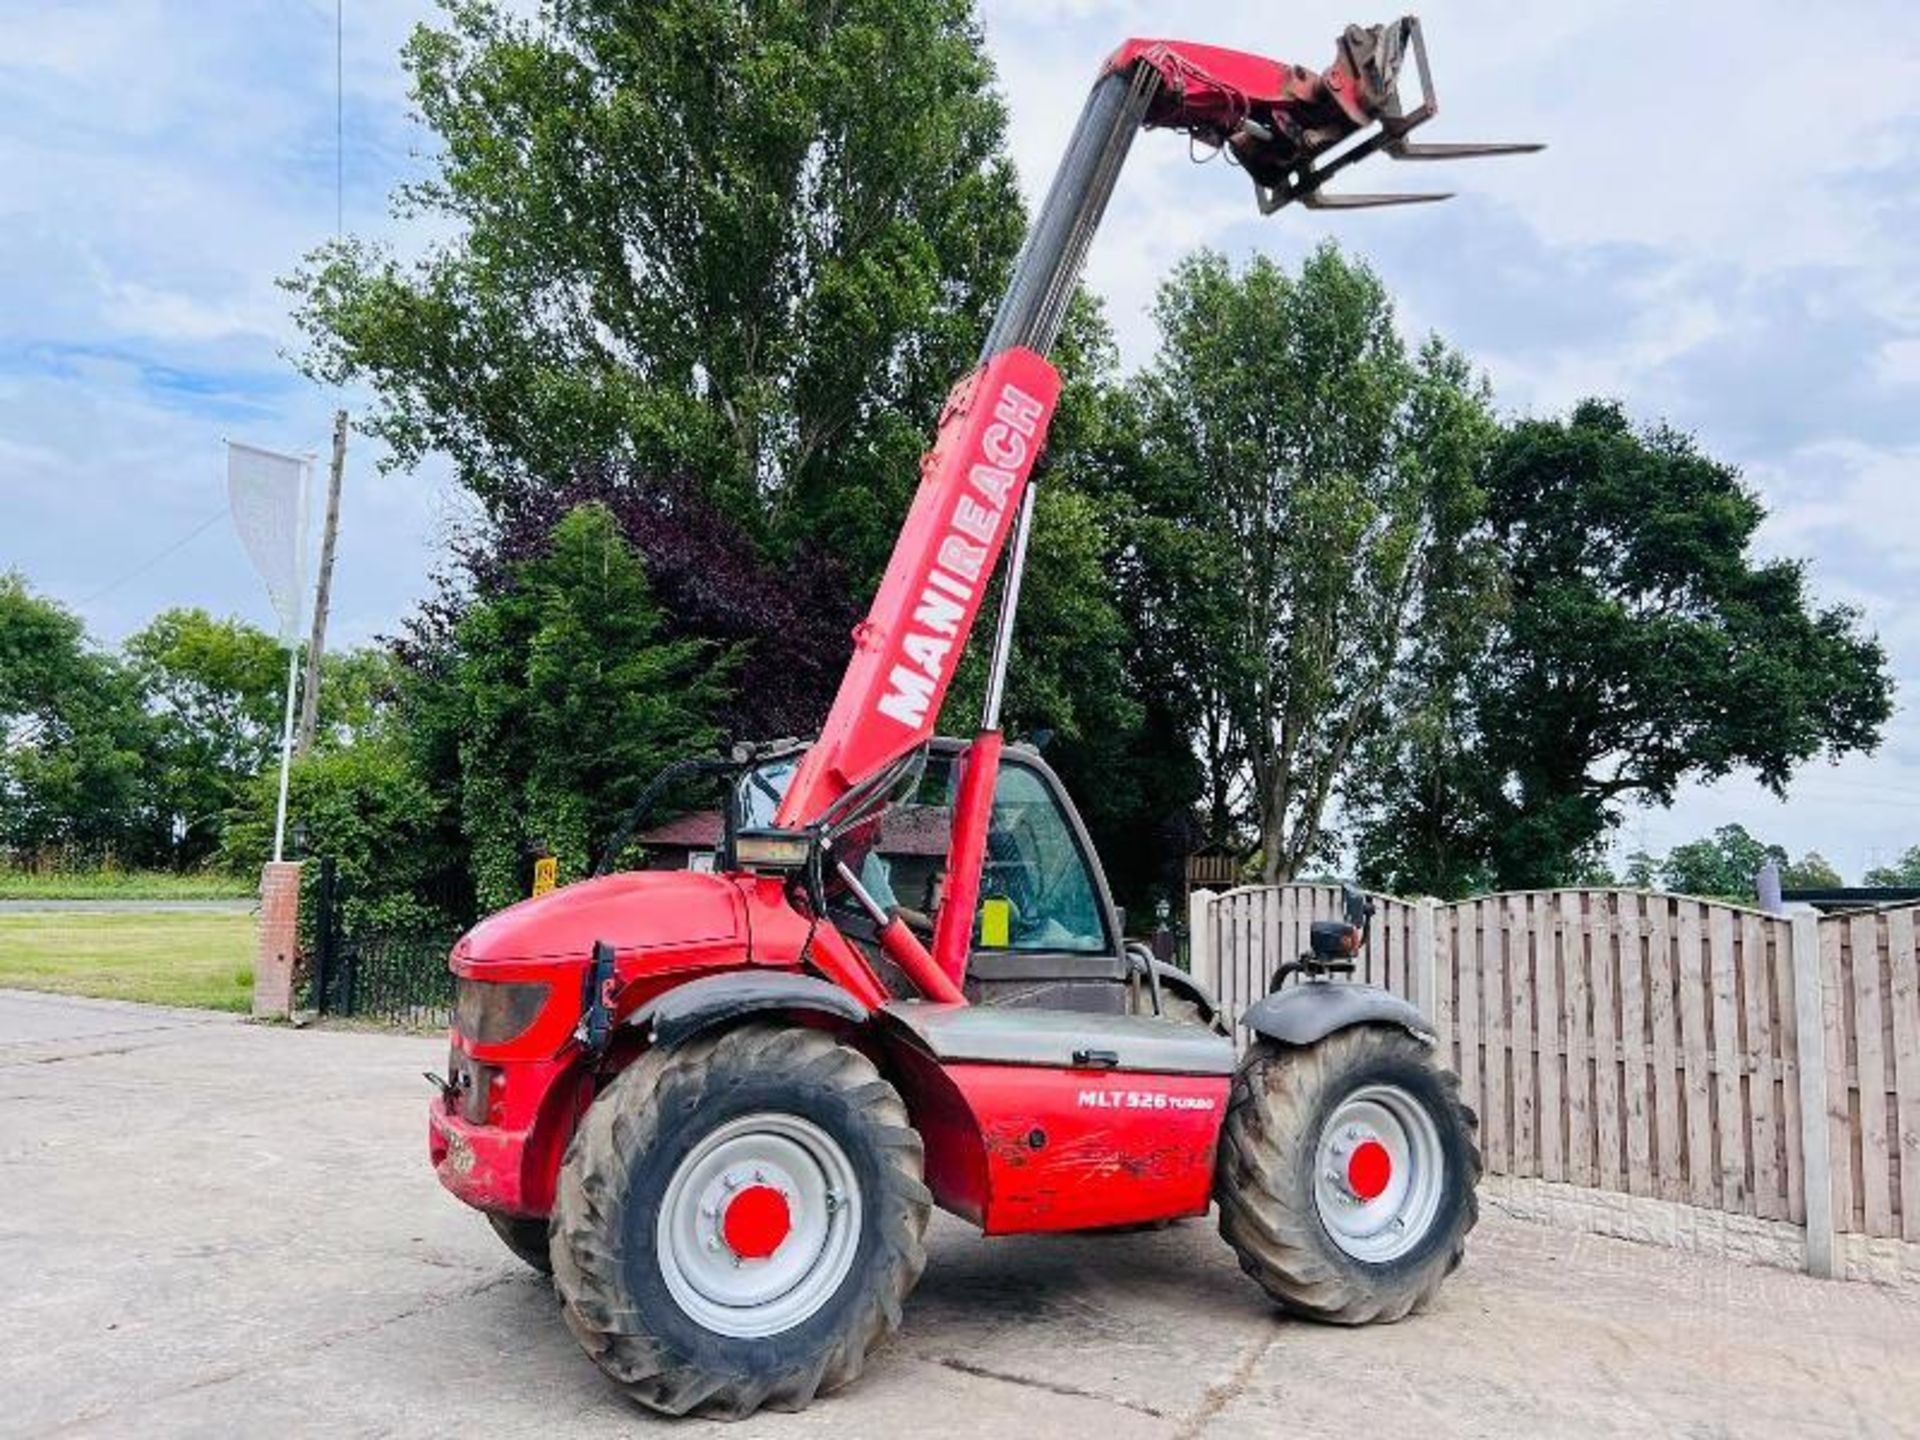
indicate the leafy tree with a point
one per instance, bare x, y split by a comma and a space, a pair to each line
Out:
554, 701
750, 243
1643, 868
1810, 872
387, 828
1903, 872
72, 734
1315, 470
1722, 865
1639, 644
789, 624
1645, 645
216, 689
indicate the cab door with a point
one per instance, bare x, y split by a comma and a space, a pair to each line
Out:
1045, 934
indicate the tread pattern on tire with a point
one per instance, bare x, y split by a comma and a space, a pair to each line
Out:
1265, 1192
590, 1234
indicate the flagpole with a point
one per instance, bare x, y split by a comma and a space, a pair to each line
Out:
286, 754
292, 632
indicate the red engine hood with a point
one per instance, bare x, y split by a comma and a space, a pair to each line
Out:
645, 910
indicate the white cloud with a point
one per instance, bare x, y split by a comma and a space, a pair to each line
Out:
1719, 233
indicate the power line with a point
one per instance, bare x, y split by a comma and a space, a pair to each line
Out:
141, 569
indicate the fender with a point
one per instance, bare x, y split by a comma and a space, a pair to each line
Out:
1309, 1011
1172, 980
1175, 981
686, 1010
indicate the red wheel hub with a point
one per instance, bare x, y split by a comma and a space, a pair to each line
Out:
1369, 1169
756, 1222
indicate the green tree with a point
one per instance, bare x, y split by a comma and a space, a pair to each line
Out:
1314, 471
73, 735
1903, 872
1811, 871
1643, 868
554, 702
755, 243
216, 692
1720, 866
1646, 645
216, 689
1641, 645
387, 828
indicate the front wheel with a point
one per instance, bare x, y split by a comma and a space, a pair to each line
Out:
525, 1238
1346, 1174
739, 1221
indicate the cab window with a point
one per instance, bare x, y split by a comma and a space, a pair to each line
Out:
1036, 890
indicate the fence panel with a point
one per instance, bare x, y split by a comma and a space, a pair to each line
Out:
1904, 991
1872, 1022
1606, 1052
1646, 1044
1550, 1122
1622, 912
1843, 1120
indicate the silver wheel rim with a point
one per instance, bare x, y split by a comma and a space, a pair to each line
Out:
755, 1296
1383, 1226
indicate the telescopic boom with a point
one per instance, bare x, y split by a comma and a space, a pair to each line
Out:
1291, 129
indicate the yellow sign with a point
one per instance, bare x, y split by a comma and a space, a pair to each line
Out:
546, 874
996, 922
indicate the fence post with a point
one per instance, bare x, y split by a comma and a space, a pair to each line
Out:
1203, 962
279, 939
1423, 964
1810, 1060
323, 936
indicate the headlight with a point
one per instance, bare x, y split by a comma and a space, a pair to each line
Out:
774, 850
490, 1012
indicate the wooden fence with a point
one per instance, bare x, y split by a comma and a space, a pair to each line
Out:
1650, 1045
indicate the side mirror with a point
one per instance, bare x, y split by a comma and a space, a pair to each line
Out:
1359, 907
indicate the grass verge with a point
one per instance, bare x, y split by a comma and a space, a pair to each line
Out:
165, 958
123, 885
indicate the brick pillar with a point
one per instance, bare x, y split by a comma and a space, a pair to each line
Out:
279, 939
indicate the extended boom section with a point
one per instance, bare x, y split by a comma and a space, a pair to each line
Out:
905, 651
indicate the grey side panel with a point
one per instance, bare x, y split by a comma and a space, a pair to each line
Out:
690, 1008
1311, 1010
1000, 1035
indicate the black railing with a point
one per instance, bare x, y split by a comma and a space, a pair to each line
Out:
393, 977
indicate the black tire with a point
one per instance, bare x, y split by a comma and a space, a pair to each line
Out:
616, 1173
1269, 1212
526, 1238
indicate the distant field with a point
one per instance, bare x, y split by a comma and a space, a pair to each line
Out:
163, 958
123, 885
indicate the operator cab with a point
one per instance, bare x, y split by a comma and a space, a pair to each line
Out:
1045, 934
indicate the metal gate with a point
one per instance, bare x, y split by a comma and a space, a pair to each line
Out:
393, 977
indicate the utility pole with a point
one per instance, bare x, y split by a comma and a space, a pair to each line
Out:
316, 646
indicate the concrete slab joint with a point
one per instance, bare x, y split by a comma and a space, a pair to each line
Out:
279, 939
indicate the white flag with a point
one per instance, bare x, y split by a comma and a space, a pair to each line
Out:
267, 493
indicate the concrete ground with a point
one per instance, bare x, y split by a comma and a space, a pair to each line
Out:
214, 1228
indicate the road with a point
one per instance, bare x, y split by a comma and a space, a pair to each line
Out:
216, 1228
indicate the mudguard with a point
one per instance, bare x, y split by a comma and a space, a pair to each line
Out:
1311, 1010
712, 1000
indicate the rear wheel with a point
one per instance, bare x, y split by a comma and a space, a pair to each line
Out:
1346, 1174
739, 1221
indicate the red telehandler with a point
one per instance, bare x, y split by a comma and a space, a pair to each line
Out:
720, 1106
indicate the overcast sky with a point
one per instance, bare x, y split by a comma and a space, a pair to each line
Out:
1721, 235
